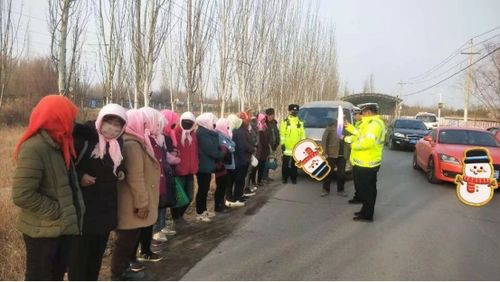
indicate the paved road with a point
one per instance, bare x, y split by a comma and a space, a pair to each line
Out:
421, 232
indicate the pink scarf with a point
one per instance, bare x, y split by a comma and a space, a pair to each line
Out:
135, 127
171, 118
206, 120
114, 148
261, 122
223, 126
154, 124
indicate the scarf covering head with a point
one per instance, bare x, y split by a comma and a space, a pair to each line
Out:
206, 120
154, 124
235, 121
171, 118
135, 127
224, 126
261, 122
186, 133
246, 119
55, 114
114, 148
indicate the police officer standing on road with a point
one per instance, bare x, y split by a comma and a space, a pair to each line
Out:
291, 132
367, 143
357, 121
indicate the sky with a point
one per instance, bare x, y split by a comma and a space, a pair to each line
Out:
393, 40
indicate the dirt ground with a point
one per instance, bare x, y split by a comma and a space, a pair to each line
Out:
191, 244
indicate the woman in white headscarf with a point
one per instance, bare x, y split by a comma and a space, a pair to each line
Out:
208, 153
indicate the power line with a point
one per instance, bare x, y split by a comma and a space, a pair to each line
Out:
479, 35
435, 84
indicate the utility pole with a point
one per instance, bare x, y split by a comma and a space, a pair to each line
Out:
440, 106
468, 80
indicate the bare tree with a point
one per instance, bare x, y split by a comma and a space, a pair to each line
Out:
66, 17
9, 27
486, 79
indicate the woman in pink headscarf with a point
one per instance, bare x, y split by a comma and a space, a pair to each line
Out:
263, 149
138, 195
98, 146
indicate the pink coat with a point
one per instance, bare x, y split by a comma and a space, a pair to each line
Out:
188, 154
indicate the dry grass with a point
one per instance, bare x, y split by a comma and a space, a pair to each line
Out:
8, 140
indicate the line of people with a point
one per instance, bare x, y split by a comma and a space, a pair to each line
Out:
75, 183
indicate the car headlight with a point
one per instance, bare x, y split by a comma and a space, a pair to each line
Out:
448, 159
397, 134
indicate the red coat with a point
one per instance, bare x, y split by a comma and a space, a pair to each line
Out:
188, 154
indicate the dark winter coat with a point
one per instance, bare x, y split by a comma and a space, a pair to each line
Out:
332, 145
208, 149
100, 198
273, 134
244, 146
263, 149
47, 193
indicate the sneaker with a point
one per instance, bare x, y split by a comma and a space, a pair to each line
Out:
209, 214
130, 275
160, 236
249, 194
342, 194
253, 189
203, 218
136, 266
168, 231
235, 204
324, 193
149, 257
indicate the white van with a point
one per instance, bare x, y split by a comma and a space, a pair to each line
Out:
429, 119
318, 115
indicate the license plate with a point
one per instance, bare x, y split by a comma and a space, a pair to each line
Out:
497, 174
413, 141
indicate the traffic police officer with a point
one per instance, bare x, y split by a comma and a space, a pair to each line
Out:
367, 143
291, 132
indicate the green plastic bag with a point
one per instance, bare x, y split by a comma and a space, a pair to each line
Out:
182, 197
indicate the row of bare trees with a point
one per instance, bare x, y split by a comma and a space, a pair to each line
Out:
486, 81
259, 53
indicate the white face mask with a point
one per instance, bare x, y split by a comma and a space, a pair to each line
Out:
111, 130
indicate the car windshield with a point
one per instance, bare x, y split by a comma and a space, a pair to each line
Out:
410, 124
467, 137
320, 117
426, 118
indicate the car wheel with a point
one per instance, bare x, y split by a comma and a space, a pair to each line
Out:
392, 146
431, 172
415, 164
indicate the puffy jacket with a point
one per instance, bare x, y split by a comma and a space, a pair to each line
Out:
331, 143
100, 198
188, 154
208, 150
367, 141
47, 193
273, 134
244, 146
291, 132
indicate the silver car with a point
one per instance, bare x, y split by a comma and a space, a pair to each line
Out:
317, 115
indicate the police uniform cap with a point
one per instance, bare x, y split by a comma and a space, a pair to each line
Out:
369, 106
293, 107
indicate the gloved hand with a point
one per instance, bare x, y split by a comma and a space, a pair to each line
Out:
283, 147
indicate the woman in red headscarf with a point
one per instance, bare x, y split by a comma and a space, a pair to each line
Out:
46, 189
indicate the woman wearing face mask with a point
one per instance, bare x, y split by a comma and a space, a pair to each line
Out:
187, 147
224, 167
208, 154
138, 195
98, 147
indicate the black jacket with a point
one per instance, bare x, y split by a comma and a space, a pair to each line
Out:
101, 198
273, 134
244, 146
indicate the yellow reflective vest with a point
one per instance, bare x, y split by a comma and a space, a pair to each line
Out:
367, 141
291, 132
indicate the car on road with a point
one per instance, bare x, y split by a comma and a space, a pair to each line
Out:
440, 153
429, 119
405, 133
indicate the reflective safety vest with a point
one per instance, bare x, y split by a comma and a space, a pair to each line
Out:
367, 141
291, 132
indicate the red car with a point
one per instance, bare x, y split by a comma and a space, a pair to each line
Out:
441, 152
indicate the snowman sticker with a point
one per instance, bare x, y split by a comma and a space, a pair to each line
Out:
475, 187
308, 155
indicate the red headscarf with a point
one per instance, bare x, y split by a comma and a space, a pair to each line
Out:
55, 114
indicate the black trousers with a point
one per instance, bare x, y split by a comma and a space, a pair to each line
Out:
46, 258
357, 194
223, 185
366, 178
86, 256
339, 163
230, 184
288, 168
124, 249
188, 185
145, 238
201, 195
240, 174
